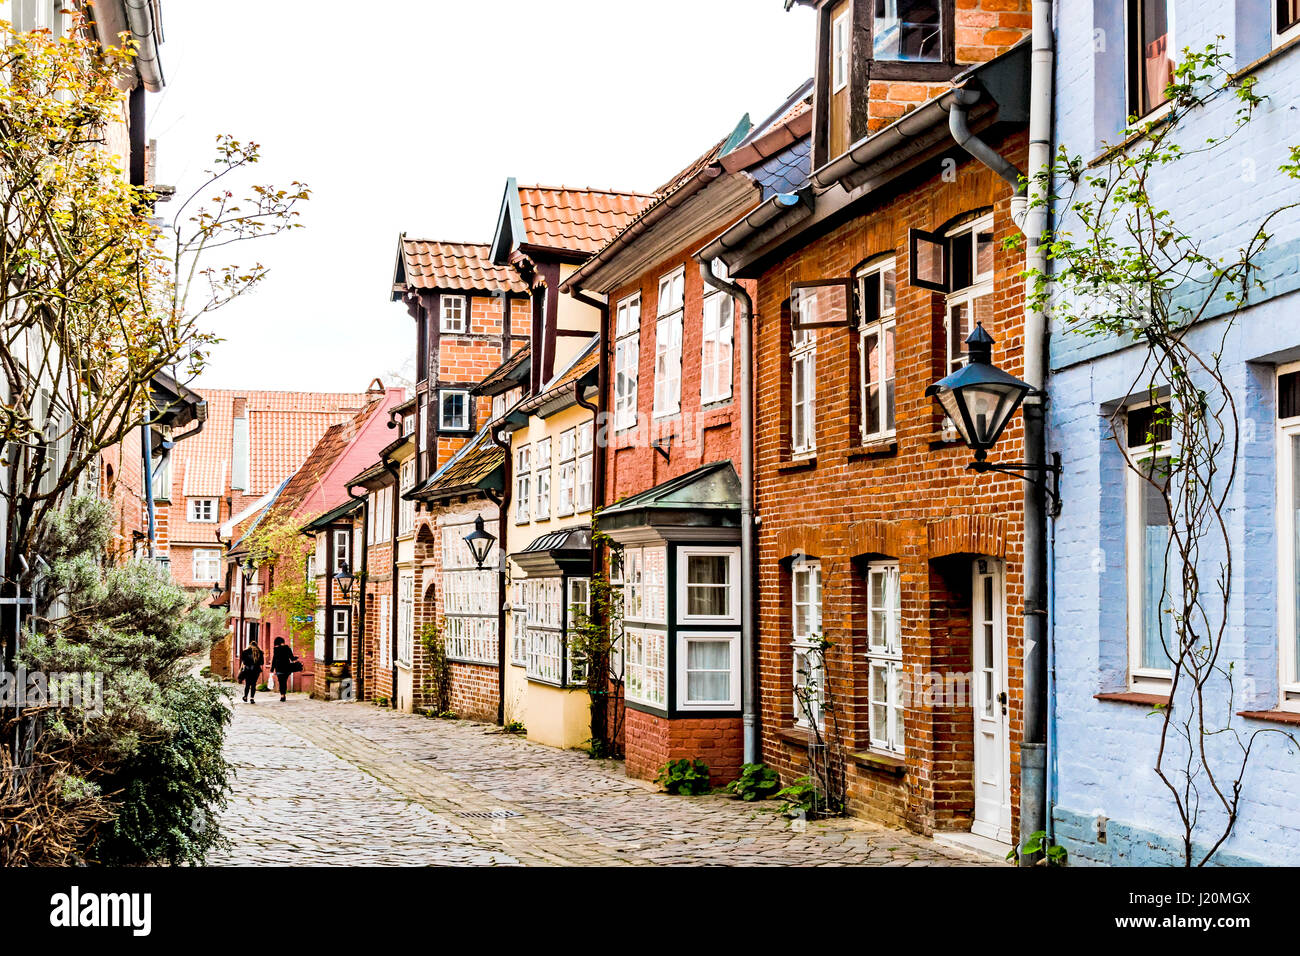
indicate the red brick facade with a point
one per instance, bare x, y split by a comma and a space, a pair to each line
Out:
910, 499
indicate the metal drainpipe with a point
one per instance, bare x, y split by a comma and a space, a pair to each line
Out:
365, 583
1034, 815
393, 616
750, 690
503, 509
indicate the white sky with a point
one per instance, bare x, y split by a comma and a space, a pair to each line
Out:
405, 115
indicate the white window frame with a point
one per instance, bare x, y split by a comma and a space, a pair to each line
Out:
384, 636
1141, 679
585, 466
684, 639
627, 361
1288, 430
567, 483
981, 285
342, 541
210, 559
405, 618
196, 512
639, 666
406, 508
885, 652
803, 393
519, 623
453, 314
443, 395
841, 31
668, 343
340, 630
1290, 33
716, 372
684, 555
523, 484
1131, 46
882, 328
542, 466
802, 642
575, 673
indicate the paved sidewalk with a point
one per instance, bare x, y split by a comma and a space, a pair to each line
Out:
337, 784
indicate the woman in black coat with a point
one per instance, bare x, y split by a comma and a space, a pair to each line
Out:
250, 669
282, 661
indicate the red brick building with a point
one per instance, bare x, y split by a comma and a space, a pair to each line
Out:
670, 449
872, 535
251, 441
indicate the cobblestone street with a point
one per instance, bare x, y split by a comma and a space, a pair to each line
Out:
351, 784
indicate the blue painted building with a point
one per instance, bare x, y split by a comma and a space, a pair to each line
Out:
1109, 805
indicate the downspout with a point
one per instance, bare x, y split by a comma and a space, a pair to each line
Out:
600, 722
1034, 813
365, 584
503, 508
146, 439
393, 616
750, 691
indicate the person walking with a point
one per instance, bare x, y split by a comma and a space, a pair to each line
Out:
282, 660
250, 670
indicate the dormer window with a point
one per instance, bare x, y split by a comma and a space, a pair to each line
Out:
908, 30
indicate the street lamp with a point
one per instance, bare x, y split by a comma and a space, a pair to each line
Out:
345, 579
248, 569
980, 399
479, 541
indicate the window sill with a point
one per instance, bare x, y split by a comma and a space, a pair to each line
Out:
882, 762
1272, 716
874, 449
796, 736
797, 464
1135, 697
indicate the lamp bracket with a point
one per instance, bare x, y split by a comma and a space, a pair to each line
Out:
1024, 471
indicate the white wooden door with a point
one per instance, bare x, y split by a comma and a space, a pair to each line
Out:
992, 756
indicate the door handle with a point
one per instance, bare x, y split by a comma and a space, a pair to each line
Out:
1002, 699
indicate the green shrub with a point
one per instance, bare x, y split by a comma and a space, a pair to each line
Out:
756, 782
168, 791
801, 797
689, 777
515, 727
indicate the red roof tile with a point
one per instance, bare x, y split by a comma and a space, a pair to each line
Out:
283, 427
580, 220
433, 264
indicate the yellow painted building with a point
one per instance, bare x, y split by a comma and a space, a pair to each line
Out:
549, 547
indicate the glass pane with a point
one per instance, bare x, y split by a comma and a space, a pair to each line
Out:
984, 252
887, 290
1156, 53
887, 377
1156, 592
708, 655
1295, 571
707, 569
709, 601
908, 30
701, 687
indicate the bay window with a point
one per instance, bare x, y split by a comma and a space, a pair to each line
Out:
644, 654
708, 671
544, 650
805, 641
645, 666
877, 295
627, 359
668, 344
715, 348
1149, 550
709, 585
884, 658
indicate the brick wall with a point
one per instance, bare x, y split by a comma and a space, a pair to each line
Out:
652, 741
908, 500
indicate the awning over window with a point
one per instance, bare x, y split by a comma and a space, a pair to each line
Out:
557, 552
703, 499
